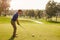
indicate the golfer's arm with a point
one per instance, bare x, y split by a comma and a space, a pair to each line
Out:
17, 22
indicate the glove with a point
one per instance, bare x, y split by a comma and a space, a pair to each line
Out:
18, 23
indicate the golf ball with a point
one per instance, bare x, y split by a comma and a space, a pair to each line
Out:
33, 35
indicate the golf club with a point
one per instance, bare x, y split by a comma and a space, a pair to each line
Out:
26, 30
21, 26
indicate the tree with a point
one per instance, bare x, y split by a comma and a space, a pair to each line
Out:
58, 10
51, 9
0, 7
40, 13
5, 4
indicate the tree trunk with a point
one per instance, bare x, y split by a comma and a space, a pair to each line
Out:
0, 13
56, 16
5, 12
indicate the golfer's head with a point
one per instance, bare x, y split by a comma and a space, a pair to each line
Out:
19, 11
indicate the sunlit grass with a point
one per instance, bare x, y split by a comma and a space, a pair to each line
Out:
46, 31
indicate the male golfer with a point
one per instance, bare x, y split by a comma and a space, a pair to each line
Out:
13, 23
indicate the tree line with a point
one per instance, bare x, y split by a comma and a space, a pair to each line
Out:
52, 10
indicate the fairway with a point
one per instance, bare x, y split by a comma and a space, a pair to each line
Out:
29, 19
32, 31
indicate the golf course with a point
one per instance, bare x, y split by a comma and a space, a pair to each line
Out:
31, 30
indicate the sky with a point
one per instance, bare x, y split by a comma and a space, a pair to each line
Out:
29, 4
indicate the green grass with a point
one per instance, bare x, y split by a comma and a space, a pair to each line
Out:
46, 31
4, 20
49, 22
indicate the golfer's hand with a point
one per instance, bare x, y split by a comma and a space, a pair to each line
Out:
18, 23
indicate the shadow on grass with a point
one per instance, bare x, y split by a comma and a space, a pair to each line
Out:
54, 22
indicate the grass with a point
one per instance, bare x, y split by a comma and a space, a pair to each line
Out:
49, 22
4, 20
46, 31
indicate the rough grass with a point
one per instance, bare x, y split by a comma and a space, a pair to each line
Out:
41, 31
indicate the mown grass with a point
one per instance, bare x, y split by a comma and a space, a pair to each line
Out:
46, 31
8, 20
4, 20
49, 22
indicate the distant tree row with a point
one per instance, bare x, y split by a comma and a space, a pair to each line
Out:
32, 13
52, 10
